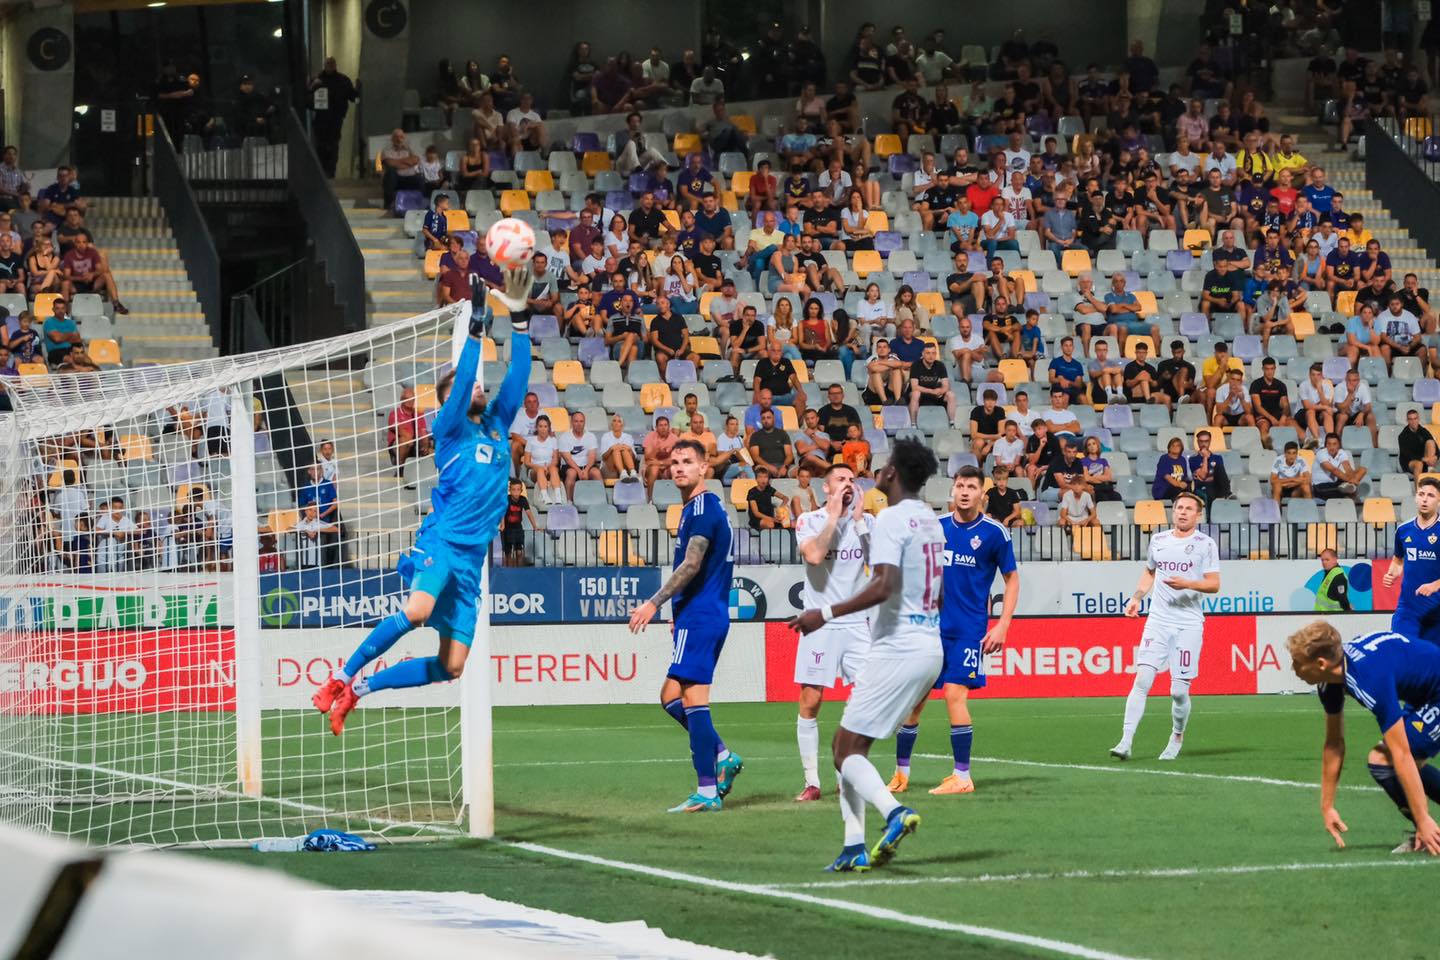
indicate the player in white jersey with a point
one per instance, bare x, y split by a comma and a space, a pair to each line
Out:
906, 554
833, 541
1182, 564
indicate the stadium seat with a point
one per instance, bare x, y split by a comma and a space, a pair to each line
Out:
539, 181
282, 521
106, 353
1091, 543
867, 262
887, 144
1150, 514
457, 221
513, 200
1379, 510
1076, 262
739, 489
1196, 239
567, 373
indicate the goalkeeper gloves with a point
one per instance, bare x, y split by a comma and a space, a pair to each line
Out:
515, 296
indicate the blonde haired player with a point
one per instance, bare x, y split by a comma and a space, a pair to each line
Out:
1182, 564
834, 541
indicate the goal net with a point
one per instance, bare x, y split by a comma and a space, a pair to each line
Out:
186, 552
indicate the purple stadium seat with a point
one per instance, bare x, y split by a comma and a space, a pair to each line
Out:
1132, 279
639, 182
1039, 510
827, 301
680, 372
499, 160
1106, 438
585, 143
262, 444
888, 241
1264, 510
1037, 301
554, 223
977, 262
185, 472
1039, 125
548, 397
1001, 396
1118, 416
903, 163
1178, 261
958, 460
564, 517
1336, 368
1247, 347
468, 239
1431, 149
628, 495
879, 441
544, 325
918, 280
592, 349
1194, 325
894, 418
409, 200
618, 200
12, 325
1427, 390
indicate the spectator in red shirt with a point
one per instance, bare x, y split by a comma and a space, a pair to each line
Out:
86, 270
456, 283
981, 192
409, 433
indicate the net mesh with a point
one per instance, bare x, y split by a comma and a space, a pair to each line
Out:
125, 628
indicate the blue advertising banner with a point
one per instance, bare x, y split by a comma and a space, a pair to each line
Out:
349, 597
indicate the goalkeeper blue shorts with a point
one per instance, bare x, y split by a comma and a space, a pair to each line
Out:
452, 577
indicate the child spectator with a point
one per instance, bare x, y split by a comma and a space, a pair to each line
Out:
1077, 509
855, 451
512, 526
1032, 341
1001, 503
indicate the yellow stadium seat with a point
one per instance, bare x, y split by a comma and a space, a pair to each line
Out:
42, 308
1307, 455
559, 418
136, 446
1378, 510
705, 346
887, 144
31, 370
931, 300
878, 221
705, 299
653, 396
1304, 324
1076, 262
1418, 128
802, 373
568, 373
739, 489
1150, 514
57, 475
867, 262
537, 181
740, 182
1217, 439
788, 419
425, 399
1196, 239
488, 351
186, 492
729, 201
496, 306
1148, 306
594, 161
1322, 536
283, 521
432, 263
512, 200
1345, 302
685, 144
875, 501
104, 352
457, 221
672, 517
672, 217
744, 122
1026, 279
615, 549
1015, 372
1090, 543
379, 162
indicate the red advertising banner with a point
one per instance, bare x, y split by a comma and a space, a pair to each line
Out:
1064, 657
124, 671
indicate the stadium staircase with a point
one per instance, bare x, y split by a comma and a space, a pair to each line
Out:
165, 323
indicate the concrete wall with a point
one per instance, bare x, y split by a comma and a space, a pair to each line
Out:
344, 27
40, 83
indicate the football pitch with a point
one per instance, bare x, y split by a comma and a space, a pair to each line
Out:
1061, 851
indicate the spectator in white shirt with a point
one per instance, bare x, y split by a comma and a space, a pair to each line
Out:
1335, 473
968, 346
1352, 404
1061, 418
1218, 159
1317, 400
1290, 474
113, 529
1010, 447
1400, 333
1077, 509
308, 530
706, 89
542, 459
1018, 200
1017, 158
579, 455
617, 451
522, 428
526, 125
325, 458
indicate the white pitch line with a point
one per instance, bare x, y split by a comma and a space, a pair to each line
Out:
1157, 873
1150, 771
864, 909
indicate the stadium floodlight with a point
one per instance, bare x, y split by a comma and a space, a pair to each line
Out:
158, 654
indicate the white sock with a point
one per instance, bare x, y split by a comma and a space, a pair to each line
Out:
807, 734
852, 811
361, 687
1135, 703
342, 676
862, 776
722, 755
1179, 706
709, 791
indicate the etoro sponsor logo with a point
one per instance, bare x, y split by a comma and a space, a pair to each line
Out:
747, 599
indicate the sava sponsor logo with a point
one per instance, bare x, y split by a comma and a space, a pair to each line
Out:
90, 675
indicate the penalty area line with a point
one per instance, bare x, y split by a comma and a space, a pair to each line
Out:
1061, 947
1118, 767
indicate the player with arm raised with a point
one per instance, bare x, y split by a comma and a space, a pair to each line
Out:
699, 591
906, 548
1416, 564
976, 548
1398, 680
833, 541
443, 569
1182, 564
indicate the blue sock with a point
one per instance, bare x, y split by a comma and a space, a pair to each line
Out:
409, 673
1385, 776
380, 639
905, 745
702, 748
676, 709
961, 738
1430, 780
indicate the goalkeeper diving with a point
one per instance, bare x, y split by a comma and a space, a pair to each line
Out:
472, 449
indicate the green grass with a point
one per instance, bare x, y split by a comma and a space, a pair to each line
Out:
595, 780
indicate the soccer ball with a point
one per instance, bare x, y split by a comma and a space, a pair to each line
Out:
510, 243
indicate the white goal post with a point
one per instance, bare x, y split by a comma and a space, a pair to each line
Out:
186, 552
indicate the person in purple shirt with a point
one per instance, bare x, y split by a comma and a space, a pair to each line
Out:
1272, 256
1375, 262
695, 180
1342, 268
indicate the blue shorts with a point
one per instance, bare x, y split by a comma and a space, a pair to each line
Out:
1423, 624
452, 577
697, 649
1139, 327
964, 663
1424, 736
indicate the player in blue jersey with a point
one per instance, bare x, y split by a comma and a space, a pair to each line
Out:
699, 595
1416, 562
976, 548
1398, 680
472, 449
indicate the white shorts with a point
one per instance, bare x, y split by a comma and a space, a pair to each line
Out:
887, 690
1176, 649
835, 651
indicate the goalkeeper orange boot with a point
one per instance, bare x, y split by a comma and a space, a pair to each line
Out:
326, 695
899, 783
340, 709
952, 784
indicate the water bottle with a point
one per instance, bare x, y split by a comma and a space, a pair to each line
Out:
280, 845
